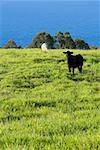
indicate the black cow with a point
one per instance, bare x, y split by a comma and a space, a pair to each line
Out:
74, 61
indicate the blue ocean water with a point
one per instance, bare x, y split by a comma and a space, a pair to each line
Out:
21, 20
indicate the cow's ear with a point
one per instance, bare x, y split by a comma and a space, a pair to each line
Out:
64, 52
71, 52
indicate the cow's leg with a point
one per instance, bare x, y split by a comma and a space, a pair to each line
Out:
69, 68
80, 69
73, 70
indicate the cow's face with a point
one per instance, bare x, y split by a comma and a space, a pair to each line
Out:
68, 53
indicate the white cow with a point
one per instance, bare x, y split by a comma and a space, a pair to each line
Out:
44, 47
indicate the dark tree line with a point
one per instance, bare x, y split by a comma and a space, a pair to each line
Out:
11, 44
41, 38
59, 41
64, 40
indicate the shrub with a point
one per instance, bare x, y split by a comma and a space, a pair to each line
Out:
41, 38
81, 44
93, 47
64, 40
11, 44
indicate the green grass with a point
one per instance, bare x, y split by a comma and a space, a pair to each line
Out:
43, 107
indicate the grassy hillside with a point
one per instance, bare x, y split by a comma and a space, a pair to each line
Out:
43, 107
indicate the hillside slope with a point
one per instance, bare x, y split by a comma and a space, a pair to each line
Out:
43, 107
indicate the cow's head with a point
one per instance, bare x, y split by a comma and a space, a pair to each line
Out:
68, 53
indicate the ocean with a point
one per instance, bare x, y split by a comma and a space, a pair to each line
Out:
21, 20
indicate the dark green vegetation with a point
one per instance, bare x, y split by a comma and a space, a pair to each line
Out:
11, 44
43, 107
41, 38
59, 41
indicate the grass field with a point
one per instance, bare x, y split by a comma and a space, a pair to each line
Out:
43, 107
